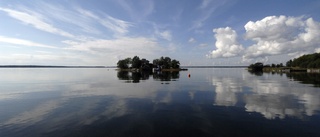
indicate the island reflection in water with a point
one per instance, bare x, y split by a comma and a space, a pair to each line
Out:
102, 102
135, 77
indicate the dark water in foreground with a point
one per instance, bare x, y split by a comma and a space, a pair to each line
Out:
222, 102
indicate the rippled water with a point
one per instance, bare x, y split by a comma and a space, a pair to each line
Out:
103, 102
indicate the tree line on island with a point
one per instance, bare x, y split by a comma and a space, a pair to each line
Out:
144, 64
303, 62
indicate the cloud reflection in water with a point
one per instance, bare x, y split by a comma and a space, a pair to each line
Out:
274, 96
64, 102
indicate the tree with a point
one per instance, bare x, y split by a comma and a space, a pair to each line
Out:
159, 62
281, 65
156, 62
124, 64
175, 64
135, 62
143, 64
256, 67
307, 61
289, 63
166, 63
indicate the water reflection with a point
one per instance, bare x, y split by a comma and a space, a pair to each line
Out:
135, 77
257, 73
305, 78
271, 95
98, 102
166, 75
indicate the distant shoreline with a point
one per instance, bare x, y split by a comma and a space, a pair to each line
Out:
44, 66
51, 66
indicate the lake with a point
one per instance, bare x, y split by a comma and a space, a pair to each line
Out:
221, 102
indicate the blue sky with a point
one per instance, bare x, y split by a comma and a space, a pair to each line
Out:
195, 32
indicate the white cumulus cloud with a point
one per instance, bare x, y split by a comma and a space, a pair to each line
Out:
271, 36
226, 44
277, 35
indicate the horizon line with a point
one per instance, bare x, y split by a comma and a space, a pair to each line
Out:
100, 66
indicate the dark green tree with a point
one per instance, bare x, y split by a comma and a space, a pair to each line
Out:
167, 62
145, 65
175, 64
307, 61
159, 62
135, 62
156, 62
289, 63
124, 64
256, 67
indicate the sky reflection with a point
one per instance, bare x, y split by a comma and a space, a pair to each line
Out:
48, 101
274, 96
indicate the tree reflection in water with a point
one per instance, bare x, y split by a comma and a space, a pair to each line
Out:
166, 75
257, 73
305, 78
302, 77
135, 77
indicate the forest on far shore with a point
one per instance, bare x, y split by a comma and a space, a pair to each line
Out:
305, 61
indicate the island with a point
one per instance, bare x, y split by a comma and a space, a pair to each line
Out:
306, 63
137, 64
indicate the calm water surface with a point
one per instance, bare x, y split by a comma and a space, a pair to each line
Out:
220, 102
